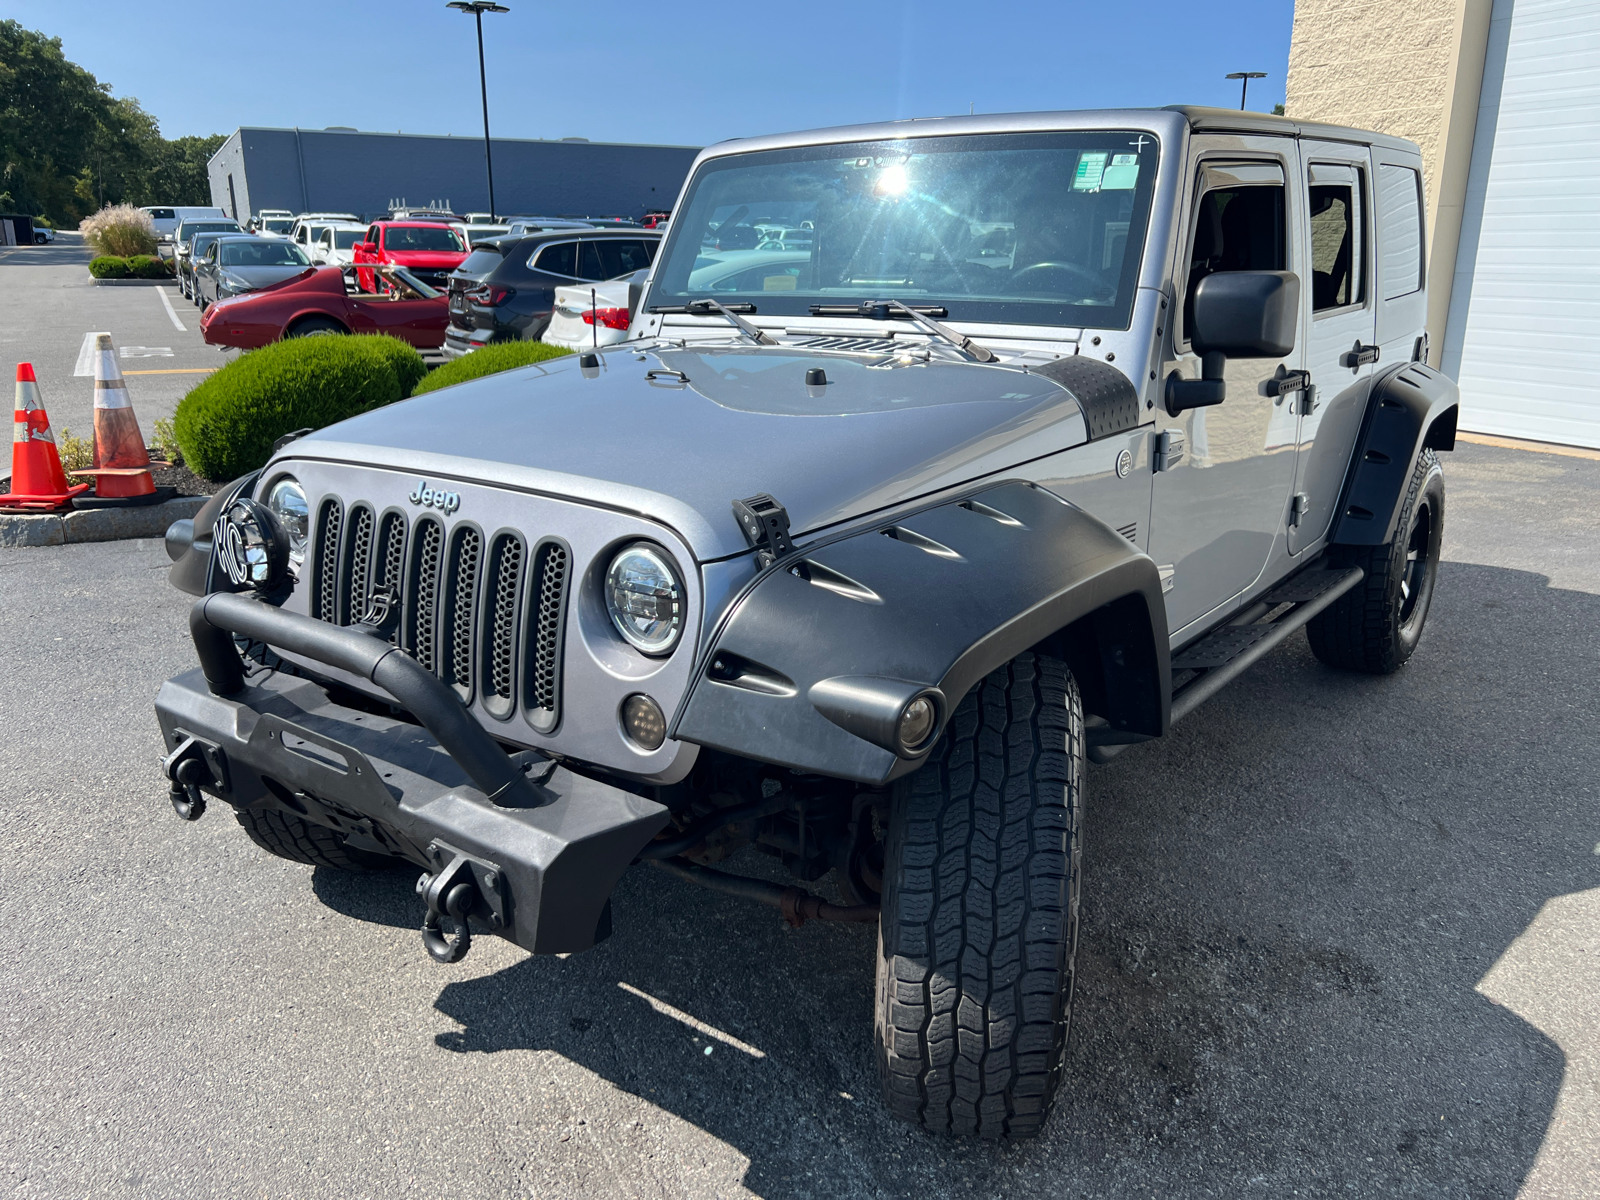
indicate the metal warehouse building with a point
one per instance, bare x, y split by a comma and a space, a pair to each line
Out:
344, 170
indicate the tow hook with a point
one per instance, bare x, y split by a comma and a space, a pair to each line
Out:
461, 888
193, 765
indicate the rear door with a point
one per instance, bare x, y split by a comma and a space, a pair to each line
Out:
1222, 488
1336, 272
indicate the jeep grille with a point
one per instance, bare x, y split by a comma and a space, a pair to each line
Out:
470, 609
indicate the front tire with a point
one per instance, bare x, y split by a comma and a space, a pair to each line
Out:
979, 927
1375, 627
304, 842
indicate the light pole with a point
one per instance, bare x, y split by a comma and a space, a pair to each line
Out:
477, 8
1244, 87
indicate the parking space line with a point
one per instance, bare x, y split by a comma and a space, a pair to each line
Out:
175, 371
167, 304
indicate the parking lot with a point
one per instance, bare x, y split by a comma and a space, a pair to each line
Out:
47, 304
1342, 935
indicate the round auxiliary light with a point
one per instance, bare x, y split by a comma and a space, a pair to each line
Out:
917, 721
644, 722
287, 500
645, 599
251, 546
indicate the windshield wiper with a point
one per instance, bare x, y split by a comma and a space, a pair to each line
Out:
705, 306
882, 310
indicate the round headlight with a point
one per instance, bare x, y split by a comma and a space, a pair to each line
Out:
287, 501
645, 599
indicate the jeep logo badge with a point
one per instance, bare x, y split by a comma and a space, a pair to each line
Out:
445, 502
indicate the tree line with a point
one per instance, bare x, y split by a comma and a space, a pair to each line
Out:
68, 146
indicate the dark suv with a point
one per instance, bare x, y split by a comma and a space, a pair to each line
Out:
505, 290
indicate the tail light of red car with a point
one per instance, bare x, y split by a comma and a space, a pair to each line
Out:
611, 318
491, 294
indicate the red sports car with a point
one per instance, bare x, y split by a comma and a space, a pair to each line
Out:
324, 300
430, 250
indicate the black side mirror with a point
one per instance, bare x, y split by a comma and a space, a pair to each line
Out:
1237, 314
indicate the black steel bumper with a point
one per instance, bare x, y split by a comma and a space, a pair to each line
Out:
538, 846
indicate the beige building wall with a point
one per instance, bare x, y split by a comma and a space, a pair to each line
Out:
1409, 69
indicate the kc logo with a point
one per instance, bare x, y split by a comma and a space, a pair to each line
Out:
445, 502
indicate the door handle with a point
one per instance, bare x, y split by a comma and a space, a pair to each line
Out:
1287, 381
1359, 356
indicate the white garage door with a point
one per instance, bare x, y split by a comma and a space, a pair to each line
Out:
1524, 333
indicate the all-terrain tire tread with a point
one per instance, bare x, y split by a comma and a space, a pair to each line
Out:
303, 842
981, 910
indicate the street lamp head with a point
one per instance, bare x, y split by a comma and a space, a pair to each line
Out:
1234, 75
477, 7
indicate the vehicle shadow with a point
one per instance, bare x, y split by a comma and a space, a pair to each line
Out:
1288, 906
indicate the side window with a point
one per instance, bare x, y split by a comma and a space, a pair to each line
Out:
1239, 225
1337, 237
559, 258
372, 235
1400, 229
589, 264
623, 258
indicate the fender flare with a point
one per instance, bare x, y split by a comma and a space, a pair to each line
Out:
812, 662
1413, 407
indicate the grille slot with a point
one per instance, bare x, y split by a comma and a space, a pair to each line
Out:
502, 584
352, 604
547, 595
325, 563
484, 614
459, 610
419, 624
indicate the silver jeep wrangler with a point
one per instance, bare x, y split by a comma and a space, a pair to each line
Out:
1026, 436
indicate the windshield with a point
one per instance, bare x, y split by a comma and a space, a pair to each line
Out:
344, 239
421, 237
1039, 229
278, 224
189, 230
262, 254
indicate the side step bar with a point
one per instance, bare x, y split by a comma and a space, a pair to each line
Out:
1224, 654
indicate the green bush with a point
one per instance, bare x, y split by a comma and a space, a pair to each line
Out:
226, 425
109, 266
489, 360
149, 266
408, 365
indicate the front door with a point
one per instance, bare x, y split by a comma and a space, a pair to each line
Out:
1335, 268
1222, 488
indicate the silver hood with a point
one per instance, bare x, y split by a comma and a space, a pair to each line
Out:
631, 434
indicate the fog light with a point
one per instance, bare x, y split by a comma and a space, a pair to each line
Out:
916, 722
250, 546
644, 722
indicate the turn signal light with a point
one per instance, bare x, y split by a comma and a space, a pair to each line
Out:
611, 318
491, 294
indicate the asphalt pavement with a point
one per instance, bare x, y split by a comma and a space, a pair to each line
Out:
1341, 938
48, 304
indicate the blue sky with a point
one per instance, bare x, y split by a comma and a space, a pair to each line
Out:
685, 74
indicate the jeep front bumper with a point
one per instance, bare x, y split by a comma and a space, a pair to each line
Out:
516, 844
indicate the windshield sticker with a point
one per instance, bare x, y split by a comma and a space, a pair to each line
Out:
1091, 168
1122, 175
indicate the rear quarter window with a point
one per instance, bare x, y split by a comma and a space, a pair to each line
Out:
1400, 229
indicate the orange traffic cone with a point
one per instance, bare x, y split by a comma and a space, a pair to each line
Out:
37, 480
121, 463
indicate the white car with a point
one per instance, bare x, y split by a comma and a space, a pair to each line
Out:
749, 270
335, 243
167, 217
308, 227
586, 315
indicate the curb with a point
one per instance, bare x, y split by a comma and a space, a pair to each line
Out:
130, 282
95, 524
